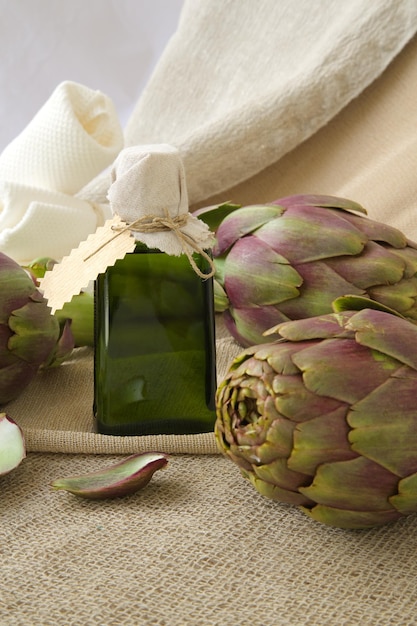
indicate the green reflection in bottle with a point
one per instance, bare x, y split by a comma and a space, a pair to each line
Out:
154, 365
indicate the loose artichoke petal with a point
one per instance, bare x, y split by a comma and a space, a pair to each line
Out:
351, 519
359, 481
323, 439
120, 479
384, 426
304, 234
406, 499
331, 367
389, 335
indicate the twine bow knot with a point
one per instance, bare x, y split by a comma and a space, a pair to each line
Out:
156, 223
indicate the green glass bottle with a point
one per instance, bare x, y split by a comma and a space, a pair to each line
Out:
154, 369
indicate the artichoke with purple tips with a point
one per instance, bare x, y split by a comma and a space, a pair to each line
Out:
325, 417
290, 259
29, 335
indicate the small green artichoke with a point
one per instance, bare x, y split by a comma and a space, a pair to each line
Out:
29, 334
325, 417
290, 259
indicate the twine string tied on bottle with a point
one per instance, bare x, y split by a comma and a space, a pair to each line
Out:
156, 223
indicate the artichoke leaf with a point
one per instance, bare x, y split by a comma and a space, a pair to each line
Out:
242, 222
396, 338
376, 265
302, 236
321, 285
384, 426
318, 327
221, 301
351, 519
330, 368
297, 403
358, 483
401, 296
278, 473
323, 439
351, 302
405, 501
255, 273
120, 479
244, 324
274, 492
35, 332
332, 202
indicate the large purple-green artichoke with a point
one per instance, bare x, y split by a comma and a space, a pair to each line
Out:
325, 418
29, 334
290, 259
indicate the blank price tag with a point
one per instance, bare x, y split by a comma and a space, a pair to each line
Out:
92, 257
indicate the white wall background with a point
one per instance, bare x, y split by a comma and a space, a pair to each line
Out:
110, 45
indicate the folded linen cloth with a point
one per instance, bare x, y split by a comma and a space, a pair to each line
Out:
73, 137
242, 83
149, 182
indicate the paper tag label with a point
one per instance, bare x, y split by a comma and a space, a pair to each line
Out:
92, 257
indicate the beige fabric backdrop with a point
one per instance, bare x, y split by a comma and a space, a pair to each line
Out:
242, 83
368, 153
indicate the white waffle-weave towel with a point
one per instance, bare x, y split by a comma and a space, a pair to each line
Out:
72, 138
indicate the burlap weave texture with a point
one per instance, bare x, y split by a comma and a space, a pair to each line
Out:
197, 547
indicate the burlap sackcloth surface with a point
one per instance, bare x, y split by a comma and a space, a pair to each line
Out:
196, 547
199, 546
